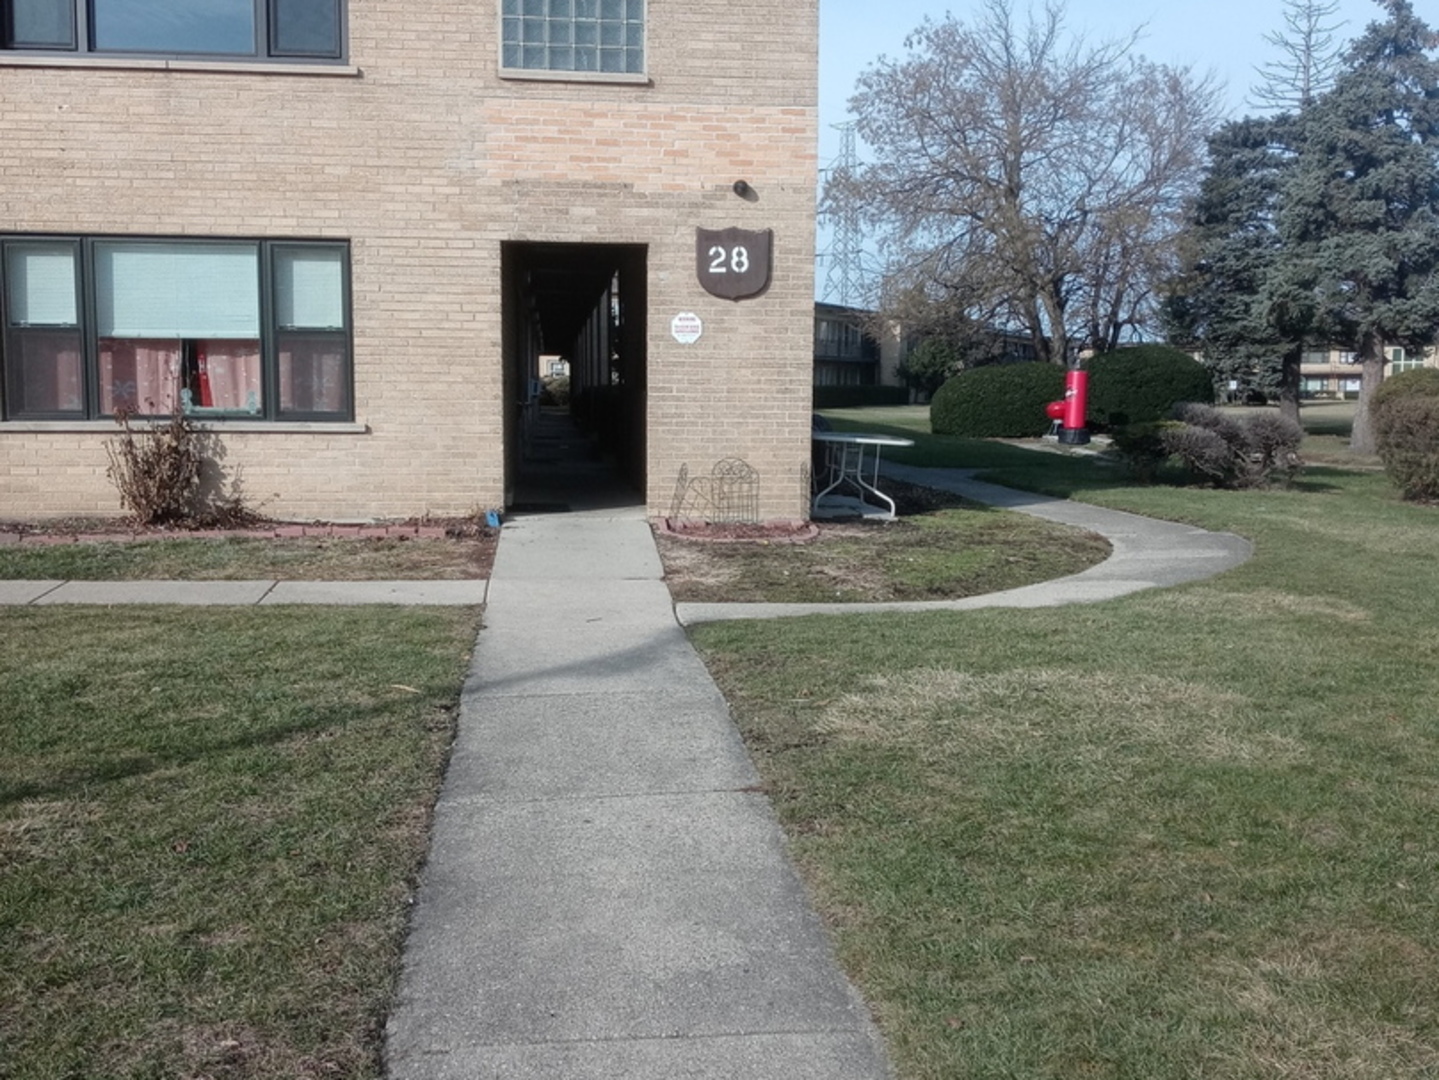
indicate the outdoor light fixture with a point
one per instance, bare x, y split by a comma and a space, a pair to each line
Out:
744, 191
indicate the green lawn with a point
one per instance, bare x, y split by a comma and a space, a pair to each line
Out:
1185, 833
210, 824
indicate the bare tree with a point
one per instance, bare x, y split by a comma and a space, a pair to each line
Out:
1309, 57
1024, 179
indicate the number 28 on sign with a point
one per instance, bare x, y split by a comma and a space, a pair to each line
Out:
733, 263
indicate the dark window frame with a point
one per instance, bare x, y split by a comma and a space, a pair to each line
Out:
266, 249
265, 44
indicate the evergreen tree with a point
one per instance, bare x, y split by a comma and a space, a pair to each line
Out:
1234, 304
1359, 217
1309, 58
929, 365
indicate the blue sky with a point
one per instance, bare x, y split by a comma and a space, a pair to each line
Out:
1222, 37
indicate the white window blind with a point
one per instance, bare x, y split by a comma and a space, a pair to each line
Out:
177, 290
40, 280
309, 289
211, 26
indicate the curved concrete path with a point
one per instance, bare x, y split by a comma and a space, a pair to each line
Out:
1147, 554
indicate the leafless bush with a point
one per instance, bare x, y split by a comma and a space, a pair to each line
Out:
1202, 450
1274, 442
1254, 452
168, 472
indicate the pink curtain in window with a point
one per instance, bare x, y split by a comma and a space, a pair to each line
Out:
50, 372
312, 374
139, 374
229, 375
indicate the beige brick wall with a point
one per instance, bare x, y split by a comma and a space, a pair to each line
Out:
426, 161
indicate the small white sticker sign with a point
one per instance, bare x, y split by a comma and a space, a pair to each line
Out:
686, 327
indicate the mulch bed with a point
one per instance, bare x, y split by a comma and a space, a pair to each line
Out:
121, 530
780, 532
910, 500
480, 539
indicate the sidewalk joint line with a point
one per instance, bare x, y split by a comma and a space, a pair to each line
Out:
678, 1036
36, 599
602, 796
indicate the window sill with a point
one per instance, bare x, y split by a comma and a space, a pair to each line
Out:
109, 427
135, 63
543, 75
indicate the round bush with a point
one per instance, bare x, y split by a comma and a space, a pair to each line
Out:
1004, 401
1416, 382
1406, 428
1142, 384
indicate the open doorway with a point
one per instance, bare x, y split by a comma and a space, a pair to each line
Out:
575, 378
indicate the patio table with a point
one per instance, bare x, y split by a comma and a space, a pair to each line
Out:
852, 464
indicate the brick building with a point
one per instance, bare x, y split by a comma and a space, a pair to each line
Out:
343, 233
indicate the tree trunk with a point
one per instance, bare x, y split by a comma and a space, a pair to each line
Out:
1058, 333
1289, 384
1371, 374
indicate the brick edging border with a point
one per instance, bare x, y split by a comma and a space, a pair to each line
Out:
268, 532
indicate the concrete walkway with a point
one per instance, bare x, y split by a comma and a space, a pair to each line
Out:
608, 895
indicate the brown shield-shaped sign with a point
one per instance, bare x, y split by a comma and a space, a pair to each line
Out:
733, 263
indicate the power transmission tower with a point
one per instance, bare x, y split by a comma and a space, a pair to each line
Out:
844, 281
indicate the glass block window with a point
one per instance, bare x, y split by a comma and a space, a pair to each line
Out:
603, 36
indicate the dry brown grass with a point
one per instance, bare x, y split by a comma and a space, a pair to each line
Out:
1022, 710
940, 548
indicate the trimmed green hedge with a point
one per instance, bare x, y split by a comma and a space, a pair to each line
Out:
853, 397
1406, 427
998, 401
1141, 384
1416, 382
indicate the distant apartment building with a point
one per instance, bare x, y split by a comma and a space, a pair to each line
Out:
1334, 373
845, 352
848, 352
343, 234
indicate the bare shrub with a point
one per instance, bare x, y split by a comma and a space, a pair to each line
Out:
1274, 443
1257, 451
168, 472
1202, 451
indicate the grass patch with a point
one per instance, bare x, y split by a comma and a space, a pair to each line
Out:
250, 559
941, 548
1184, 833
210, 823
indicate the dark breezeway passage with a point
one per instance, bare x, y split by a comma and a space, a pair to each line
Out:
575, 375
